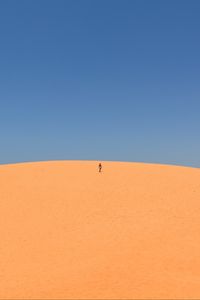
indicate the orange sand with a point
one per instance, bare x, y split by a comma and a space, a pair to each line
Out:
68, 232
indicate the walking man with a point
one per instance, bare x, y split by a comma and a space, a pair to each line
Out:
100, 167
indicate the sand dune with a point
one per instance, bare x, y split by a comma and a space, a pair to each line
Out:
69, 232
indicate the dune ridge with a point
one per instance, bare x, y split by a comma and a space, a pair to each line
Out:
70, 232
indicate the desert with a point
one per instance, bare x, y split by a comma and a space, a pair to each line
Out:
68, 231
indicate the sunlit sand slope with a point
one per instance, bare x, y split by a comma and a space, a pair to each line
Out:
69, 232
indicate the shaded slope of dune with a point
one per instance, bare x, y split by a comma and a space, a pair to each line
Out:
69, 232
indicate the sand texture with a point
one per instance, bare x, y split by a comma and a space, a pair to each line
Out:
70, 232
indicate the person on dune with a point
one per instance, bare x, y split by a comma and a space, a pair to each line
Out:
100, 167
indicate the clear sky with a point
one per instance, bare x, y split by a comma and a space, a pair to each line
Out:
100, 80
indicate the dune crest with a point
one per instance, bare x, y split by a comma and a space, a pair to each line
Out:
70, 232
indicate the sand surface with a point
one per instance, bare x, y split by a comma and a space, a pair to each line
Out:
68, 232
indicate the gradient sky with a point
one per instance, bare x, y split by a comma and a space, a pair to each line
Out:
100, 80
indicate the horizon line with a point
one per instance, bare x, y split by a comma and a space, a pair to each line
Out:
95, 160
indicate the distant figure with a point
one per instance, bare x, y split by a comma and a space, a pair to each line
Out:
100, 167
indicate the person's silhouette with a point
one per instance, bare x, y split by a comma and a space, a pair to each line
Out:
100, 167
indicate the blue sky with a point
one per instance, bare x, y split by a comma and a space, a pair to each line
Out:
100, 80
